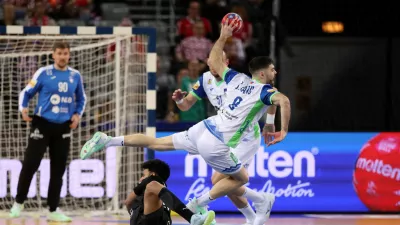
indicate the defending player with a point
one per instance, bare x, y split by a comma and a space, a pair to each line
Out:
150, 202
61, 103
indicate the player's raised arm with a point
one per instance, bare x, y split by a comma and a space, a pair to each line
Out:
216, 56
28, 92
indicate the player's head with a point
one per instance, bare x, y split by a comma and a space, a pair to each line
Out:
262, 68
61, 54
224, 59
156, 167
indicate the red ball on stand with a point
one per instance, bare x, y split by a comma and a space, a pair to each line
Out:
228, 18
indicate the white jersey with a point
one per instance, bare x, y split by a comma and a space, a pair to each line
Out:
208, 86
245, 103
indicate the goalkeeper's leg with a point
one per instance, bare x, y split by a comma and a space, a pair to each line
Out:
37, 145
59, 147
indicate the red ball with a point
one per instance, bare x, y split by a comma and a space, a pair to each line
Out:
228, 18
376, 177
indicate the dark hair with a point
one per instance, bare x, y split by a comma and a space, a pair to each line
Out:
61, 45
159, 167
259, 63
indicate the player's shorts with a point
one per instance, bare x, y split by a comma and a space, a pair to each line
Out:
162, 216
246, 150
199, 140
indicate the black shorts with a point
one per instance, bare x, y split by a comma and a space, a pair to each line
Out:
162, 216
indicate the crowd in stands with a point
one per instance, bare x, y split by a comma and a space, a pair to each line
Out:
196, 33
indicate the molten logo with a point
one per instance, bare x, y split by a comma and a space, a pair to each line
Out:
377, 166
377, 173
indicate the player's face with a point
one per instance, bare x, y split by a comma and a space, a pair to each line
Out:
146, 173
61, 57
269, 74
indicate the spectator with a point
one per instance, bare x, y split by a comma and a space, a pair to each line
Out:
198, 110
185, 25
39, 16
246, 33
214, 10
14, 10
196, 47
165, 86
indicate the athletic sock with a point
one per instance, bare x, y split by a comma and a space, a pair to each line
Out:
116, 141
173, 202
205, 199
253, 195
249, 213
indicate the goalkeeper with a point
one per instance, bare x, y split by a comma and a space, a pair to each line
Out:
61, 104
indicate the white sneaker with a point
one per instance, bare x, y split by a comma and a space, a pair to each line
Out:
16, 209
193, 206
203, 219
263, 209
58, 216
95, 144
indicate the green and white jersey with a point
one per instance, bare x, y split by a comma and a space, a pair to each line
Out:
246, 102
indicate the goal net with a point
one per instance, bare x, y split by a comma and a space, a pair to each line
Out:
114, 70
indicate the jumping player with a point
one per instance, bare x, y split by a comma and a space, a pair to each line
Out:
210, 85
151, 202
246, 101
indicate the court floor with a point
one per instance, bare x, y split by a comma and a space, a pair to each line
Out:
230, 220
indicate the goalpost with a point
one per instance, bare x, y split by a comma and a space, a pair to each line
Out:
118, 66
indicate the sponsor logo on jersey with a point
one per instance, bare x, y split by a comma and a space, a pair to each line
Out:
196, 85
209, 81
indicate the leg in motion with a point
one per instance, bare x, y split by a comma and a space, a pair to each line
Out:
239, 201
100, 141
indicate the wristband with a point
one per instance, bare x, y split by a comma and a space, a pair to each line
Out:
179, 102
270, 119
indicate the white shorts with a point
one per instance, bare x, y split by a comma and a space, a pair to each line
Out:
246, 150
199, 140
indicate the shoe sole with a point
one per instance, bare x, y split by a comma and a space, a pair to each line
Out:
210, 218
87, 153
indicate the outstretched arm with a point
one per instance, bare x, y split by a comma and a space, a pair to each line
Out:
216, 54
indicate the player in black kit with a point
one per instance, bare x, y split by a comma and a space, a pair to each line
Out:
151, 202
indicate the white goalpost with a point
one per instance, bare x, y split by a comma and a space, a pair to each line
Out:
118, 66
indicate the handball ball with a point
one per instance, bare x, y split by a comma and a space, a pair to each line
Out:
376, 177
228, 18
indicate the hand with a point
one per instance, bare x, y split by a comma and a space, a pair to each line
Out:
227, 29
25, 115
178, 95
279, 136
75, 121
268, 133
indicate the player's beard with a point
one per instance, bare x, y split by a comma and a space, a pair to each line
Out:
62, 64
